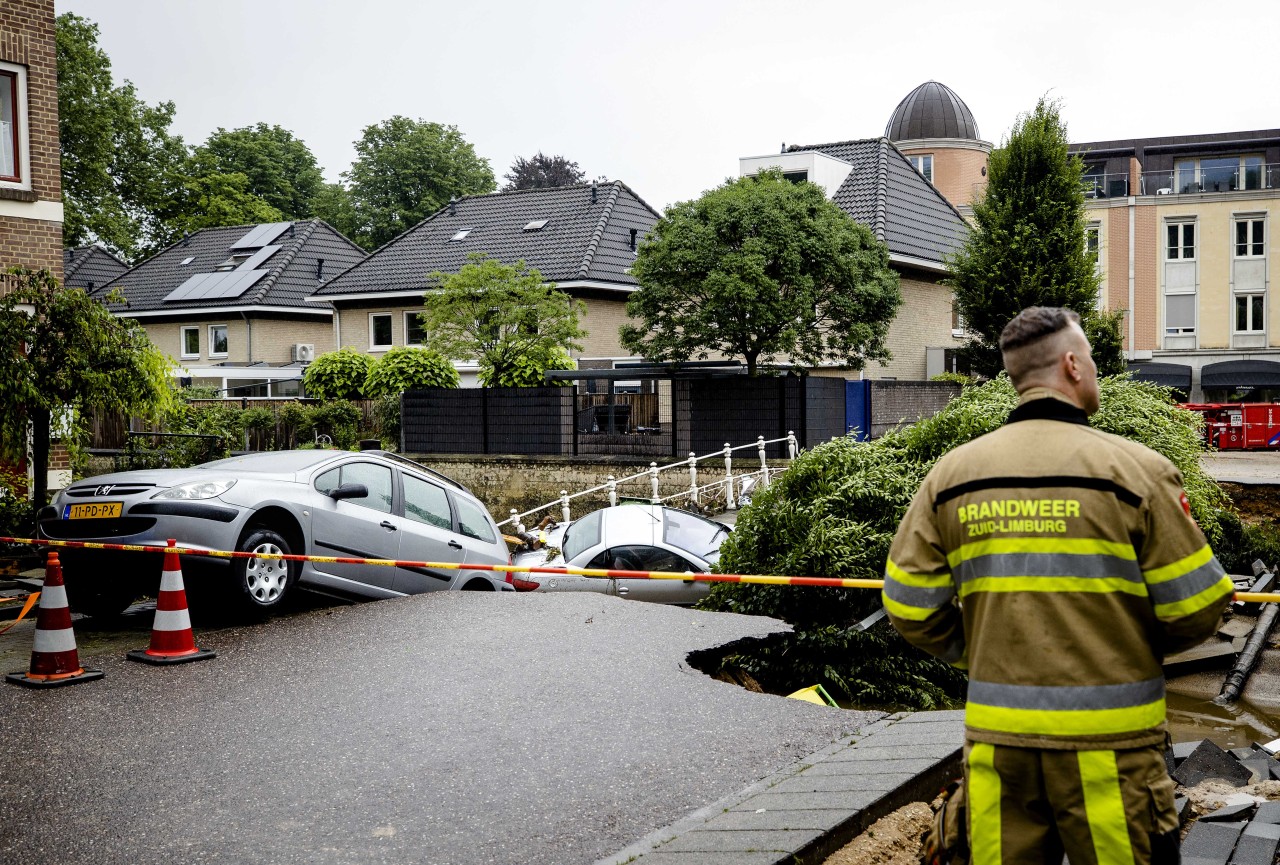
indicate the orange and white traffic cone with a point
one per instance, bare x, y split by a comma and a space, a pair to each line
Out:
54, 659
171, 639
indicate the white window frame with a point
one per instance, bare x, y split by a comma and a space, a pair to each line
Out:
407, 315
182, 342
22, 158
213, 341
923, 162
1254, 221
391, 321
1181, 224
1195, 314
1247, 297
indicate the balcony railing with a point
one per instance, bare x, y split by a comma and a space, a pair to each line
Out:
1105, 185
1206, 180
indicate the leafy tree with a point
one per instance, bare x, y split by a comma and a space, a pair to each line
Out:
1027, 246
63, 355
119, 159
207, 201
279, 168
834, 512
333, 204
542, 172
500, 315
404, 368
404, 171
525, 370
761, 268
337, 374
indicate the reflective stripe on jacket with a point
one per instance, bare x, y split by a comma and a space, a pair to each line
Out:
1058, 564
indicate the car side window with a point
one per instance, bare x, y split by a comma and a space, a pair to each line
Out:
646, 558
473, 522
329, 481
377, 478
426, 503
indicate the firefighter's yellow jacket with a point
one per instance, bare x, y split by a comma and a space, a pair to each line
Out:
1058, 564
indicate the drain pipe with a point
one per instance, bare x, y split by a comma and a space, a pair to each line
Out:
1234, 684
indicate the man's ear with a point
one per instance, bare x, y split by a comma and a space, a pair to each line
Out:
1071, 366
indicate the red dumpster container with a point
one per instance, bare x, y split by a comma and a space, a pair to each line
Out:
1240, 426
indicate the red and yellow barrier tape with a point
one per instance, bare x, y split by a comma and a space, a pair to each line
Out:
755, 579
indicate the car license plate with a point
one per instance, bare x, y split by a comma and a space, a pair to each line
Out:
93, 511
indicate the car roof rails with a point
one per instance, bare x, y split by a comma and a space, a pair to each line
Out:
404, 460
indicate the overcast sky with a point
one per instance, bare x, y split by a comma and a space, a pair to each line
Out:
667, 94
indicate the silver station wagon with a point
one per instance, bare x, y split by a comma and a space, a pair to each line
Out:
370, 504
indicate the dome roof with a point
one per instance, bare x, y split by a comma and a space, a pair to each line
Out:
932, 110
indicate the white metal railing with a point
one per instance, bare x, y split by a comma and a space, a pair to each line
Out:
694, 491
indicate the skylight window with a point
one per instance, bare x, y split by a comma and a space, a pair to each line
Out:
460, 234
187, 260
536, 225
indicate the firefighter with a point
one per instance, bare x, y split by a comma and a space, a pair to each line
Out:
1058, 565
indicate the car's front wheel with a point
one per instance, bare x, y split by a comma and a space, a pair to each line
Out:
261, 584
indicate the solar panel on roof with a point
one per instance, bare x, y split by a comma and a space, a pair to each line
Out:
261, 235
258, 257
216, 286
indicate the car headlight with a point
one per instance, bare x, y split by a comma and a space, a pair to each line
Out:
197, 490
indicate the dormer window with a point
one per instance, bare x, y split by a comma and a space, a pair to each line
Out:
536, 225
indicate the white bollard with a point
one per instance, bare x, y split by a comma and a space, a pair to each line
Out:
693, 477
729, 503
519, 524
764, 465
564, 505
653, 482
792, 447
613, 492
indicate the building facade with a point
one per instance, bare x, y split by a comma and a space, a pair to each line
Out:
1181, 229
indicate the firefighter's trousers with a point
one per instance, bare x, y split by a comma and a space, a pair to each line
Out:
1027, 806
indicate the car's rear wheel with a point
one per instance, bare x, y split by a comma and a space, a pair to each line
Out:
261, 584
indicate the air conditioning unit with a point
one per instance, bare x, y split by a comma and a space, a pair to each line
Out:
304, 352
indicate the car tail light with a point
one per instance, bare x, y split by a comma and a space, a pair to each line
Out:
520, 583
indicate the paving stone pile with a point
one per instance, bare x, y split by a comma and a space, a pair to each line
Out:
1239, 791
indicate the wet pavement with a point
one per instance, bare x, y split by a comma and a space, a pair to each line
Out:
443, 728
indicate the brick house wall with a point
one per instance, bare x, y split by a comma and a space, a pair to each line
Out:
272, 338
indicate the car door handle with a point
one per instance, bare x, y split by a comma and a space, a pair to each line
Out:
388, 525
455, 545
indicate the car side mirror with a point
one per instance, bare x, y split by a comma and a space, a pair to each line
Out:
349, 491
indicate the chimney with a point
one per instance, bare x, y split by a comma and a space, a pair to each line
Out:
633, 239
594, 185
784, 147
291, 229
186, 238
453, 207
319, 270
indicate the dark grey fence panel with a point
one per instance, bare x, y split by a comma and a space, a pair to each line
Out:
442, 421
502, 420
823, 409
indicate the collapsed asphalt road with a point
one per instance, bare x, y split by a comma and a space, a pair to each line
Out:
442, 728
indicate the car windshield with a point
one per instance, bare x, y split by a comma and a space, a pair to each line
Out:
702, 537
273, 461
581, 534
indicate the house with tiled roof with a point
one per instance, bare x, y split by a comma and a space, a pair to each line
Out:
876, 184
229, 304
583, 238
90, 267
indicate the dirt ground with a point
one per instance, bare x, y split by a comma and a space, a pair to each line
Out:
892, 840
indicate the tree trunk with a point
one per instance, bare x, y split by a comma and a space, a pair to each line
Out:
751, 364
40, 456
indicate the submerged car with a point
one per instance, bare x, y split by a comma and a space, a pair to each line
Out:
370, 504
631, 537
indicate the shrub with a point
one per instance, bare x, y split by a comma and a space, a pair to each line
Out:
387, 414
525, 370
339, 419
834, 512
403, 368
337, 375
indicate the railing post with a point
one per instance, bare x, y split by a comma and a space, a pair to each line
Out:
613, 492
653, 482
791, 445
764, 465
519, 523
729, 503
564, 505
693, 477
